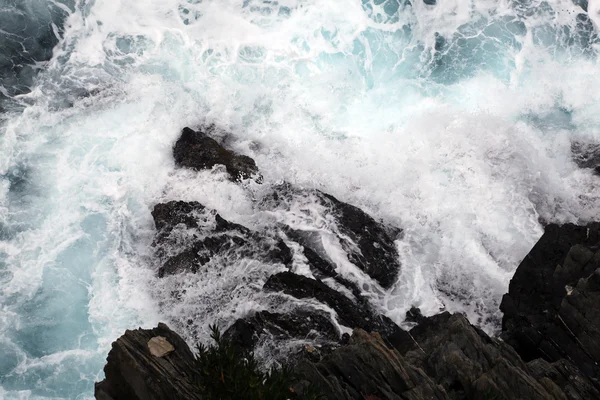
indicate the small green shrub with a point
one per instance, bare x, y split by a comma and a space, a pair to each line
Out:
227, 372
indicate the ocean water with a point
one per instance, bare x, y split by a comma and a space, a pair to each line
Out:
453, 121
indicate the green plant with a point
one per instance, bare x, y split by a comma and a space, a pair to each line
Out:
227, 372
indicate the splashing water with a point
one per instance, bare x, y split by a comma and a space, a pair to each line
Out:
452, 121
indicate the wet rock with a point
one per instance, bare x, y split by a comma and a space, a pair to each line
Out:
550, 309
133, 372
586, 155
350, 312
196, 150
298, 324
169, 215
377, 254
324, 269
190, 236
414, 315
319, 266
581, 3
369, 244
27, 38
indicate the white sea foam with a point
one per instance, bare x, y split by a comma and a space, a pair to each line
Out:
464, 148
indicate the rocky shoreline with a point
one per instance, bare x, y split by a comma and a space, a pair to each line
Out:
548, 349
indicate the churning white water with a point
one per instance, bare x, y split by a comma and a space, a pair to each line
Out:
453, 121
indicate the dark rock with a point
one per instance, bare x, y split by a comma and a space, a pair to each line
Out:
468, 363
30, 31
196, 150
367, 369
168, 215
377, 254
445, 357
350, 313
586, 155
190, 235
430, 2
581, 3
550, 309
414, 315
298, 324
369, 244
132, 372
323, 269
564, 375
319, 266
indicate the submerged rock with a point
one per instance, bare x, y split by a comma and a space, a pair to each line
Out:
196, 150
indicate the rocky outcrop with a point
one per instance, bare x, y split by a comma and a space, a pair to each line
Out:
550, 311
447, 358
141, 365
471, 365
367, 369
197, 150
444, 357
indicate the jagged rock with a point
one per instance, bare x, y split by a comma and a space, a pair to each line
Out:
550, 311
196, 150
367, 369
190, 235
444, 357
320, 267
471, 365
299, 324
350, 313
564, 375
133, 373
369, 244
169, 215
323, 269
